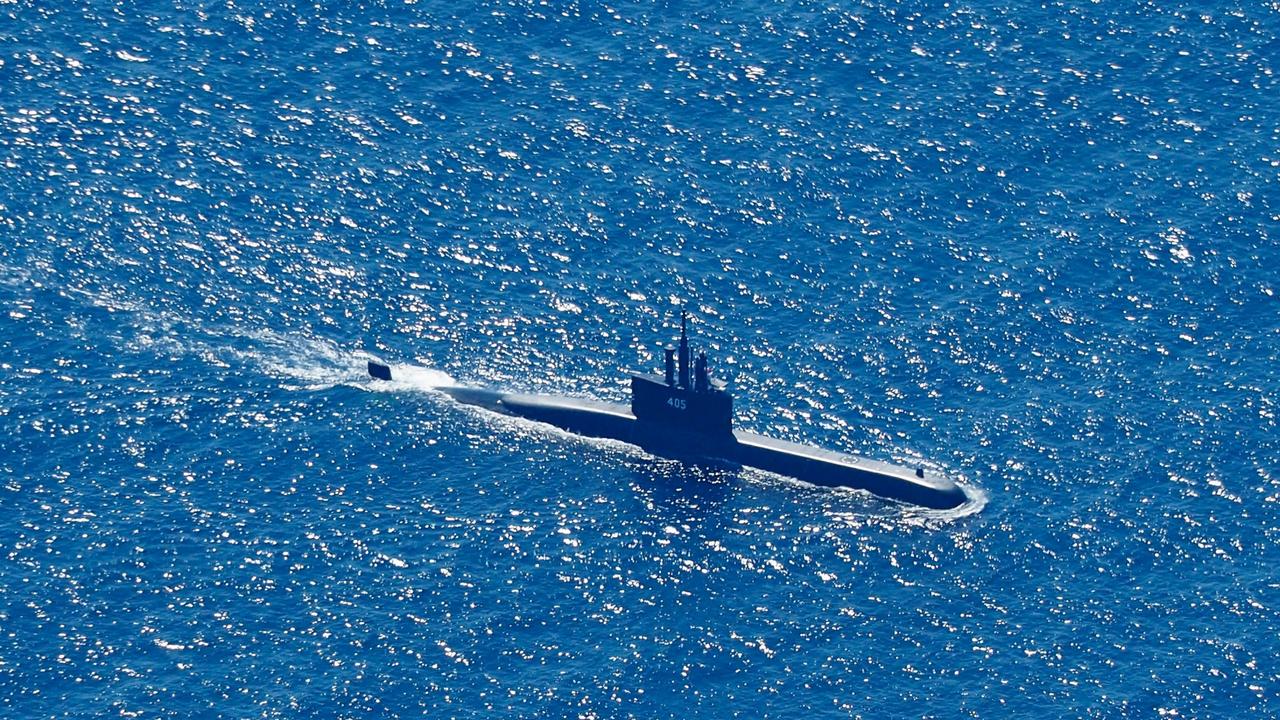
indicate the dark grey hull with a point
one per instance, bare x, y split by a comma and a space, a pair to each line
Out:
807, 464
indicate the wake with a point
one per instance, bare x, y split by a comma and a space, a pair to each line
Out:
311, 364
299, 360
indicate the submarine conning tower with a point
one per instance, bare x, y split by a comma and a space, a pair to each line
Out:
676, 403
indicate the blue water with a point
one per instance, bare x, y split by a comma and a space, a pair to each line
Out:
1030, 247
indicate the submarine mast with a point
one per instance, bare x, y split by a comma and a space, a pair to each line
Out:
684, 350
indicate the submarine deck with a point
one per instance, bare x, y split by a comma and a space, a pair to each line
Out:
802, 462
794, 449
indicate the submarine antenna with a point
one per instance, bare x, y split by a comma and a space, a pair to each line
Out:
684, 350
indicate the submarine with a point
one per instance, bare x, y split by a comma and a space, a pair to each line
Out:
684, 414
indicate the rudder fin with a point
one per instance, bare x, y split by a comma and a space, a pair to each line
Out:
378, 371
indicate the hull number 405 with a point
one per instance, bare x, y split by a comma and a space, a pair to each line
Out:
677, 403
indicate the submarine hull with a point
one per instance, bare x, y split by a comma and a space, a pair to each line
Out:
804, 463
831, 469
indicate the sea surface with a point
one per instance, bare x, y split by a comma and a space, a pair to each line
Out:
1028, 245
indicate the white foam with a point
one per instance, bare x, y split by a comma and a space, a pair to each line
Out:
317, 363
420, 378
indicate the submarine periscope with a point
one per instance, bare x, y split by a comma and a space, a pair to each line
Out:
685, 414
